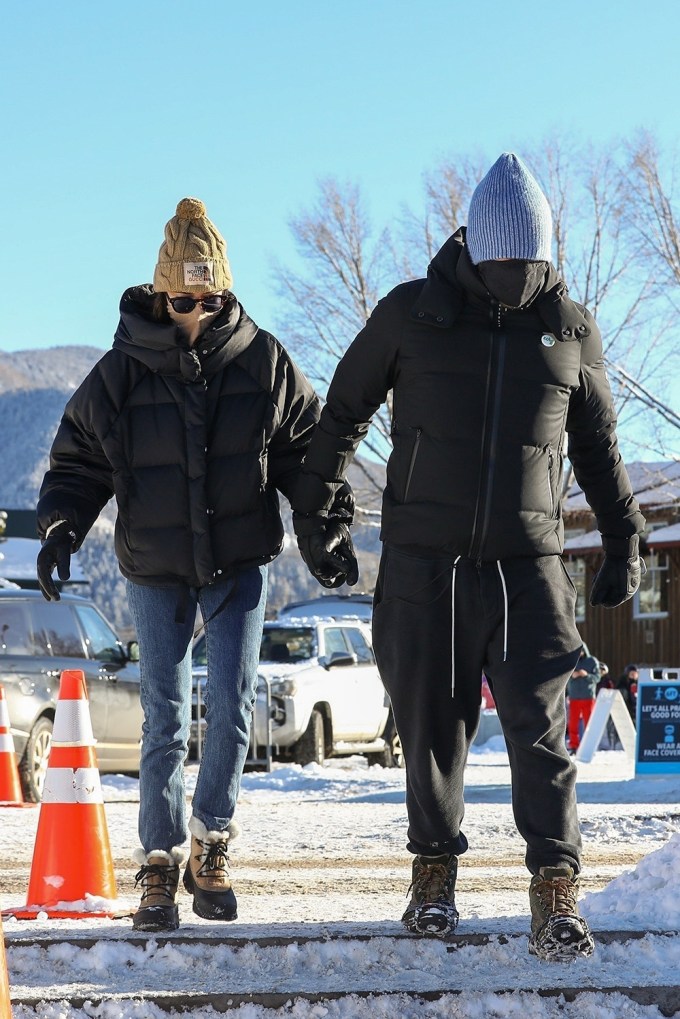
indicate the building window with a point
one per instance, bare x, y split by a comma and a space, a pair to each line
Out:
651, 598
576, 568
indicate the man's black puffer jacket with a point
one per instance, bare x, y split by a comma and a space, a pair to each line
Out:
193, 443
483, 396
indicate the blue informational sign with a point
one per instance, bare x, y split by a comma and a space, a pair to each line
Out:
658, 722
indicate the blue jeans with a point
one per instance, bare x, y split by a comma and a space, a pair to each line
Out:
233, 639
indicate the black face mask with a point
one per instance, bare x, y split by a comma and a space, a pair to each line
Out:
514, 282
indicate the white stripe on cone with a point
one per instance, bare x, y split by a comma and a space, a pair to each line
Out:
4, 714
6, 743
72, 785
72, 724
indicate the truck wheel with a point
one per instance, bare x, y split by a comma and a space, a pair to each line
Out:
311, 747
33, 764
392, 756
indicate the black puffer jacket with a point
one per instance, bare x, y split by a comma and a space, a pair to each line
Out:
193, 443
483, 396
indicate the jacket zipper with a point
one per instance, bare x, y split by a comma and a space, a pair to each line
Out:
412, 462
550, 488
489, 434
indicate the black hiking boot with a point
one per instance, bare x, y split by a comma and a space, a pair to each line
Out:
558, 931
432, 909
159, 878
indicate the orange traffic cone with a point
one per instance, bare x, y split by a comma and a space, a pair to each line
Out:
10, 786
71, 857
5, 1003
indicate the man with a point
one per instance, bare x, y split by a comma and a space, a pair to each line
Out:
491, 364
627, 685
581, 691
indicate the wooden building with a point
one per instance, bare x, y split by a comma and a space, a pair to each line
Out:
644, 631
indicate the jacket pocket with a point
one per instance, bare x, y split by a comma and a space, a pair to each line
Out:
554, 473
412, 461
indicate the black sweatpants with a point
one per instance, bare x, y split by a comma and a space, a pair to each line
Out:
515, 622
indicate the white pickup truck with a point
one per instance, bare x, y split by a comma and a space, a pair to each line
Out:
325, 692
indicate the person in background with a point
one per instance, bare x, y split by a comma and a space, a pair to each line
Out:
627, 685
606, 682
491, 366
581, 691
194, 421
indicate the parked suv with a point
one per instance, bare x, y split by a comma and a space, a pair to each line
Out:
38, 640
327, 698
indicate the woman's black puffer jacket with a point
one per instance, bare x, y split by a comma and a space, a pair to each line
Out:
194, 444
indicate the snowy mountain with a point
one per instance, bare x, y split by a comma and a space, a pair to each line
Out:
34, 388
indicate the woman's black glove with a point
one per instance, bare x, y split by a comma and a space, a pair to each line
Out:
327, 549
55, 552
620, 574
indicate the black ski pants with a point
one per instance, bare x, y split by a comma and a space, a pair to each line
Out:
513, 620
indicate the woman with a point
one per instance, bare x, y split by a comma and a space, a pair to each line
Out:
193, 421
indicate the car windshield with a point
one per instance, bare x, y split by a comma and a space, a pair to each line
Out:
288, 644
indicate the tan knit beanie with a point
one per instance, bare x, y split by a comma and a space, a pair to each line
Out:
194, 253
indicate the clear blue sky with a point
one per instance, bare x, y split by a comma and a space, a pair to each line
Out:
113, 112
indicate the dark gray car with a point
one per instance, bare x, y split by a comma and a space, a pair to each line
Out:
38, 640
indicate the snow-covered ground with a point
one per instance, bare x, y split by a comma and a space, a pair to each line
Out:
321, 875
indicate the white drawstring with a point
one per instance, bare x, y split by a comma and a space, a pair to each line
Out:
453, 617
505, 613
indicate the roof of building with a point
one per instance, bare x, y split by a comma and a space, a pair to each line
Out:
591, 541
665, 536
656, 485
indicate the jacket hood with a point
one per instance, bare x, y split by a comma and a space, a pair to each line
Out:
163, 348
452, 281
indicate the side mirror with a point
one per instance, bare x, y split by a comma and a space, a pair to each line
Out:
341, 658
133, 651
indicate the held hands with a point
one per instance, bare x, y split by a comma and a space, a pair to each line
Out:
329, 554
620, 574
55, 552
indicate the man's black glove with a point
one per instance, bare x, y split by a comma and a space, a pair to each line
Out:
619, 576
56, 551
328, 551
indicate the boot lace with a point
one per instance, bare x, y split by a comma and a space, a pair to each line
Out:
431, 882
164, 883
557, 895
216, 858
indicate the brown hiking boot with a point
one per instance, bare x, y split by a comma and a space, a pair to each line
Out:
432, 909
159, 878
207, 875
558, 931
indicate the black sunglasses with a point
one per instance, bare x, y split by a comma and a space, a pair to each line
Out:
211, 303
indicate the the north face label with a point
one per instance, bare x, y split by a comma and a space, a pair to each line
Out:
196, 273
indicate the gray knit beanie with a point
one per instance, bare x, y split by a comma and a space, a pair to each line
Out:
509, 215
